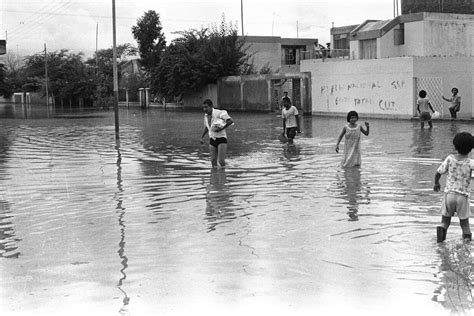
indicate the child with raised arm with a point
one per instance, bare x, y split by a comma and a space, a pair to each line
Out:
423, 106
458, 186
352, 132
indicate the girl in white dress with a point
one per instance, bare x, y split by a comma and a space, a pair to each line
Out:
352, 132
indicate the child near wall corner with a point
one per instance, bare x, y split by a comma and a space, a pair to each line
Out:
423, 106
458, 168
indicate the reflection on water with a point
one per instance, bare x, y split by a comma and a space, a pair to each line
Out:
121, 221
144, 226
218, 200
353, 191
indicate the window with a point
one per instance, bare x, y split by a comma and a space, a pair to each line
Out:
290, 56
399, 35
368, 49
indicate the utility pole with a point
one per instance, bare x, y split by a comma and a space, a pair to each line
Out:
242, 15
96, 43
114, 63
46, 74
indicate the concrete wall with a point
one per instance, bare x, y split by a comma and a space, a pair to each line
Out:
195, 100
254, 92
386, 87
453, 72
265, 52
375, 87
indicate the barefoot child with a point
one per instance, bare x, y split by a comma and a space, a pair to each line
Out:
458, 186
352, 132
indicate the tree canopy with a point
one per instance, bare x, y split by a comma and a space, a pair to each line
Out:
192, 60
150, 38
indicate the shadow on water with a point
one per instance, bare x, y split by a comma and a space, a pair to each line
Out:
456, 272
121, 213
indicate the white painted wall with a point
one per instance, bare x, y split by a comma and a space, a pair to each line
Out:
454, 72
385, 87
377, 87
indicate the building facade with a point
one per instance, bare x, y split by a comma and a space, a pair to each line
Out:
276, 54
392, 60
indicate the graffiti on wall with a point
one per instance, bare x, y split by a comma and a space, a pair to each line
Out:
372, 96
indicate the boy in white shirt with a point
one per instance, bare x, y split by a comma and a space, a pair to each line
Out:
215, 123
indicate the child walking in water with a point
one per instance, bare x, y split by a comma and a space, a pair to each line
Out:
458, 186
352, 133
423, 107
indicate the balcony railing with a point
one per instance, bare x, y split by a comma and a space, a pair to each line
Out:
325, 53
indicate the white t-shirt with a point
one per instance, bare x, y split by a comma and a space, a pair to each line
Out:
290, 116
218, 117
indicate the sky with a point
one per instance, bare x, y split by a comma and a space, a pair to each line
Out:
78, 25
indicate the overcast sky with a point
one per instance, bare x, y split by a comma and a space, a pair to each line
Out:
71, 24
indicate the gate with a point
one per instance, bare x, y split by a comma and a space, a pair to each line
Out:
434, 89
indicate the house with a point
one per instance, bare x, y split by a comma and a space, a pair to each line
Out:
280, 55
391, 60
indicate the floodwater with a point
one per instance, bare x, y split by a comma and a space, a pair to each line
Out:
144, 226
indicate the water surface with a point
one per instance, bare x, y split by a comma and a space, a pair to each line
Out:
144, 226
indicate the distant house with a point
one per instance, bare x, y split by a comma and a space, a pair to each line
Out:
130, 67
281, 55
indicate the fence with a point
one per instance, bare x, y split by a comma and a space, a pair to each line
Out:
325, 53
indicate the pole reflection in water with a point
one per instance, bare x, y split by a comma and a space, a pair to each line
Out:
456, 272
121, 214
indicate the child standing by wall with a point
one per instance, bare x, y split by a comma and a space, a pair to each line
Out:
458, 186
423, 107
455, 102
352, 132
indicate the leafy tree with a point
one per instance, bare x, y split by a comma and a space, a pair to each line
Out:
150, 38
5, 89
102, 62
68, 77
197, 58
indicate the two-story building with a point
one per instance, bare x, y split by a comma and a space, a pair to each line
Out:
390, 61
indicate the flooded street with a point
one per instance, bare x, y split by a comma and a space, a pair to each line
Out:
143, 226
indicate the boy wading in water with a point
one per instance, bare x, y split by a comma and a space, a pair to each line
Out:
458, 186
215, 123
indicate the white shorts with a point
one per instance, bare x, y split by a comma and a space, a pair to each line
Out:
455, 203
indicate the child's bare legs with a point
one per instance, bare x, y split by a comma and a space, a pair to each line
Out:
422, 124
213, 152
221, 152
466, 230
430, 123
